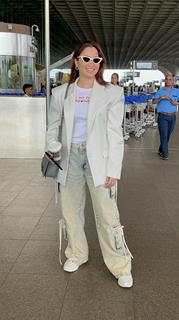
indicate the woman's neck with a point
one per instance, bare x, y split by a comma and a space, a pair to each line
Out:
85, 83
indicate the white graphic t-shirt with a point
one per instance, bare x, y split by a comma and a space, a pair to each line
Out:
81, 113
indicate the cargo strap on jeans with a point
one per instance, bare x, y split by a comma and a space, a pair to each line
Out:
62, 232
125, 244
122, 232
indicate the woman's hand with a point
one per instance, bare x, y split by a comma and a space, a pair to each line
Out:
110, 182
49, 155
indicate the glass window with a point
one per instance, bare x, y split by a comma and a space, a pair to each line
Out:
15, 71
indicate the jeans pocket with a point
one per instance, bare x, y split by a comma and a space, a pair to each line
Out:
119, 241
117, 233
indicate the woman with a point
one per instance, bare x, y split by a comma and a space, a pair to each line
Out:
115, 79
92, 153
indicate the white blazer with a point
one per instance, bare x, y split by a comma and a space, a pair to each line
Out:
105, 144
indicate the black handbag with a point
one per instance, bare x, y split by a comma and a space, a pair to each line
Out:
50, 169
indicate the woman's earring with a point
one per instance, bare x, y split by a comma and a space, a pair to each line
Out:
76, 68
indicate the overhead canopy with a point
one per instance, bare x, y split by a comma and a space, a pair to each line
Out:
126, 29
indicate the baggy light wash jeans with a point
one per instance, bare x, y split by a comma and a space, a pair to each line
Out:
115, 252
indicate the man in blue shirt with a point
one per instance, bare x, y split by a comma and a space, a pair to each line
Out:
167, 100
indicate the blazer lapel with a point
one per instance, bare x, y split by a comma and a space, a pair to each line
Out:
69, 110
96, 102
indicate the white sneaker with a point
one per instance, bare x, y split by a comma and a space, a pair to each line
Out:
71, 266
125, 281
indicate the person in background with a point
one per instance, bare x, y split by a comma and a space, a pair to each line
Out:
166, 99
115, 79
28, 89
43, 87
91, 111
175, 85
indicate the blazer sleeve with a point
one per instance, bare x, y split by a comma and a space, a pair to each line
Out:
55, 114
115, 132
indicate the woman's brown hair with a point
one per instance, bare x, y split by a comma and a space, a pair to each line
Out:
75, 73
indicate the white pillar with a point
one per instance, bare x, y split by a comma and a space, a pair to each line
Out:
47, 56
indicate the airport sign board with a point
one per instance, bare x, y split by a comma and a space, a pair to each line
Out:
146, 65
130, 74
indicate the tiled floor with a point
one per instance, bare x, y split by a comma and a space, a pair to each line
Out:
32, 284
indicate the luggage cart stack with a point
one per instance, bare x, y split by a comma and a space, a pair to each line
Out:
151, 114
135, 120
139, 120
128, 125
